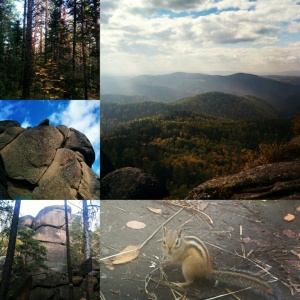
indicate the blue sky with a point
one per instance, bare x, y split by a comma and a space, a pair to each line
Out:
208, 36
83, 115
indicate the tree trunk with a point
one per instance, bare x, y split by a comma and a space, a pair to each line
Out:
37, 15
23, 44
70, 275
87, 250
46, 31
27, 76
5, 281
85, 83
74, 51
96, 19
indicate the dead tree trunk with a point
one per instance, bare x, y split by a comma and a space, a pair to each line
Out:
5, 281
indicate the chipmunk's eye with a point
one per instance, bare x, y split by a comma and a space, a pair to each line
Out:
177, 242
164, 242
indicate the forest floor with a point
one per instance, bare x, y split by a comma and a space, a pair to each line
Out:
254, 228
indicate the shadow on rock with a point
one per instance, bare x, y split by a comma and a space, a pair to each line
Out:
131, 183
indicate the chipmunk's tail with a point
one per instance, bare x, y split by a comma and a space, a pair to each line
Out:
244, 279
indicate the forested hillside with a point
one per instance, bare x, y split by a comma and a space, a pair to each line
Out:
50, 50
115, 111
184, 148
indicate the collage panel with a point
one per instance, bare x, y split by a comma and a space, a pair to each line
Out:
50, 149
50, 49
200, 100
49, 249
199, 249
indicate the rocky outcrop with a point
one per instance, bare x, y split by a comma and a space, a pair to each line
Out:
44, 122
46, 162
53, 216
131, 183
272, 181
49, 226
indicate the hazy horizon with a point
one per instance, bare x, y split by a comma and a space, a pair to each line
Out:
202, 36
220, 73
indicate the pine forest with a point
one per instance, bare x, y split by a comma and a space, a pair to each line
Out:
49, 49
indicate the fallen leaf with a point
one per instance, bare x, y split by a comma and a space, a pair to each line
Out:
288, 233
155, 210
298, 209
135, 225
126, 255
247, 240
289, 217
108, 264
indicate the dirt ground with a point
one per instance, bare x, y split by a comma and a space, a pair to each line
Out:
255, 228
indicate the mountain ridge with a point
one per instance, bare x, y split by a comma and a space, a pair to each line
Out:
284, 96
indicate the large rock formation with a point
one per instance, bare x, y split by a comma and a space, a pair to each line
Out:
49, 226
132, 183
272, 181
46, 162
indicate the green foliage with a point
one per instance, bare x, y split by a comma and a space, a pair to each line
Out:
31, 255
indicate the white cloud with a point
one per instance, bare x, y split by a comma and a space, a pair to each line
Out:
136, 38
6, 109
82, 115
26, 123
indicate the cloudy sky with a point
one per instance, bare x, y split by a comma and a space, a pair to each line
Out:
83, 115
208, 36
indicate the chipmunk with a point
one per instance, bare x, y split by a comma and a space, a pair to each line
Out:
196, 262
